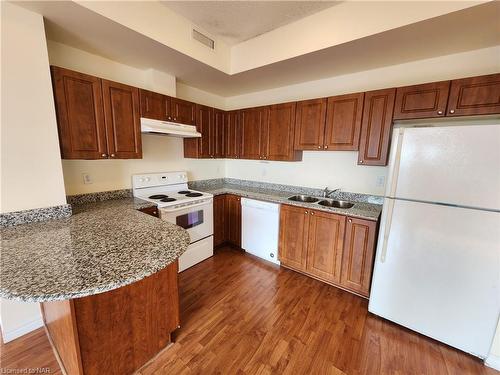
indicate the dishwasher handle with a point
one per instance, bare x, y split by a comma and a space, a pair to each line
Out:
252, 203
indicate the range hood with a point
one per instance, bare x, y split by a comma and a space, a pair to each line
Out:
168, 128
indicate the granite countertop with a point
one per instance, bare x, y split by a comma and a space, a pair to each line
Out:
363, 210
102, 246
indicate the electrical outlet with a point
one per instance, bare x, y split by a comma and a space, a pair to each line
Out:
86, 178
380, 182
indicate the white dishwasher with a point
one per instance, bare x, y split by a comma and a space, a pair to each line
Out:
260, 228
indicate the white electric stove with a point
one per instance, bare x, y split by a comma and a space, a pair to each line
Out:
177, 204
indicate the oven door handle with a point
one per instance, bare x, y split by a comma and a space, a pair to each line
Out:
204, 203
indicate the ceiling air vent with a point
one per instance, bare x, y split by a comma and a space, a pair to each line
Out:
203, 39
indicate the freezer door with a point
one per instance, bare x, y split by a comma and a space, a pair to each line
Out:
437, 271
457, 165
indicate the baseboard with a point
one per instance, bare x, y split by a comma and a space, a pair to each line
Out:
493, 361
24, 329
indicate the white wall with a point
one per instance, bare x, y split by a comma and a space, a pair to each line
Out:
30, 147
340, 169
159, 153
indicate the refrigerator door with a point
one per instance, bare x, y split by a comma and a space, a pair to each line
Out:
457, 165
437, 271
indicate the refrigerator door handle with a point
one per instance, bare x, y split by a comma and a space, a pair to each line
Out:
387, 230
396, 161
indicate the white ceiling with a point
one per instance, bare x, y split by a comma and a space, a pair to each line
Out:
468, 29
236, 21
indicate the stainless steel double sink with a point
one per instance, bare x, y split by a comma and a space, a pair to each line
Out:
322, 202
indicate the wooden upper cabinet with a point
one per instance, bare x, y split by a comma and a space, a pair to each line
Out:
358, 255
475, 96
280, 133
204, 123
122, 117
294, 228
232, 134
233, 219
421, 101
376, 127
325, 242
310, 124
80, 115
182, 111
153, 105
217, 136
253, 126
343, 122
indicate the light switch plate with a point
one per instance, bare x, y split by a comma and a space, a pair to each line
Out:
86, 178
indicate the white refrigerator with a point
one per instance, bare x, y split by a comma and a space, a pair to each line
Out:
437, 266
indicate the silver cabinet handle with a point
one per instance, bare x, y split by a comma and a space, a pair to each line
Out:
326, 146
440, 112
170, 118
104, 155
305, 212
175, 118
312, 213
350, 220
112, 155
319, 146
361, 162
452, 111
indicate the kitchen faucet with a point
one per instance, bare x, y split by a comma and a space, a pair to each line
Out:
328, 193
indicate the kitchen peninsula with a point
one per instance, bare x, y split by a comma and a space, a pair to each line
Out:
106, 278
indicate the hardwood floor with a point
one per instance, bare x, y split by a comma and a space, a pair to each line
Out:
241, 315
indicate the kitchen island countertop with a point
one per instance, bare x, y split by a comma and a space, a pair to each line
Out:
101, 247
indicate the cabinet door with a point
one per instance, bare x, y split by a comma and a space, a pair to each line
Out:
294, 228
218, 133
219, 222
359, 251
310, 124
233, 219
253, 123
122, 117
475, 96
80, 116
421, 101
182, 111
204, 123
324, 250
376, 127
343, 122
153, 105
280, 133
232, 135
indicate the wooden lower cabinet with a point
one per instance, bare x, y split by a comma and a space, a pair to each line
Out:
227, 220
333, 248
233, 219
359, 252
324, 245
294, 227
219, 220
115, 332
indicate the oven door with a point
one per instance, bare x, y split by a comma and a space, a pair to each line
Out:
197, 219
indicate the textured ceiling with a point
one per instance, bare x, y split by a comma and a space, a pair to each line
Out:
237, 21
